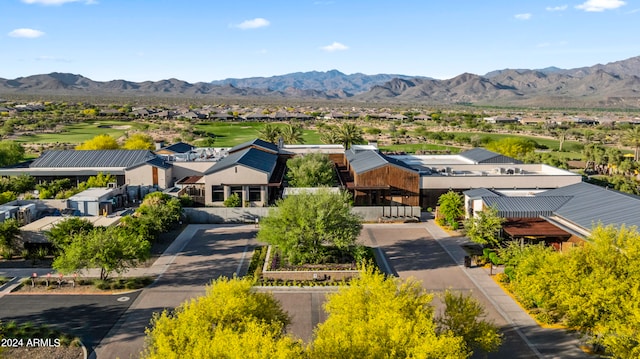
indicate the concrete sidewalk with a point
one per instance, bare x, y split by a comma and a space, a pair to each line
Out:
546, 343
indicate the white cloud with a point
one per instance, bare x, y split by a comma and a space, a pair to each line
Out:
58, 2
600, 5
523, 16
253, 24
26, 33
52, 58
336, 46
557, 8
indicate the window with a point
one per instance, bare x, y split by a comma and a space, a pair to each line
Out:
255, 194
217, 193
238, 190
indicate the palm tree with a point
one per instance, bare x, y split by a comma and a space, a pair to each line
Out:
632, 137
292, 134
269, 133
349, 134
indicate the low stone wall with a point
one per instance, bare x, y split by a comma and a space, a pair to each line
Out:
319, 275
249, 214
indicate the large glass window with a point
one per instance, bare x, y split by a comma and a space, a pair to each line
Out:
217, 193
255, 194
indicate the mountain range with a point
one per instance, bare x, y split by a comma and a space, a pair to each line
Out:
613, 85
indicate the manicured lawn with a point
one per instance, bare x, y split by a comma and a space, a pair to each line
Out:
80, 132
229, 134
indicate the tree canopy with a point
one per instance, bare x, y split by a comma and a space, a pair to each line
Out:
269, 133
10, 153
230, 321
373, 317
99, 142
302, 225
112, 249
451, 207
592, 288
484, 227
513, 146
9, 234
62, 233
139, 141
311, 170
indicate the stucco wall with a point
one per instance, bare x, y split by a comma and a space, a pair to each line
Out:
249, 214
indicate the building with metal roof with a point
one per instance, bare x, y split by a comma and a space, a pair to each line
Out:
256, 143
251, 173
79, 165
575, 208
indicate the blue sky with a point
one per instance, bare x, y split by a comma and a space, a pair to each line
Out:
205, 40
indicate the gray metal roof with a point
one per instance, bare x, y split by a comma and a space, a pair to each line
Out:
179, 147
480, 155
255, 142
367, 160
526, 207
92, 158
591, 204
155, 162
250, 157
480, 192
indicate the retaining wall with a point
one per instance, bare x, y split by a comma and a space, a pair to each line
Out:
249, 214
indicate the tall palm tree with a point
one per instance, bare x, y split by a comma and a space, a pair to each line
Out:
632, 138
292, 134
349, 134
269, 133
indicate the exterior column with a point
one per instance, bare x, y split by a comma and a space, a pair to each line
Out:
227, 192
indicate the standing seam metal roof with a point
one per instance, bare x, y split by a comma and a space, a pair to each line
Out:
92, 158
256, 142
251, 157
526, 207
363, 161
591, 204
480, 155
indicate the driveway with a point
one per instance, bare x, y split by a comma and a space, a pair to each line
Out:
89, 317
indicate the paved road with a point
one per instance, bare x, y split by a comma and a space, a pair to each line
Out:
88, 317
202, 253
412, 252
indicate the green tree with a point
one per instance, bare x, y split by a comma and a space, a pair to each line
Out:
591, 288
329, 135
269, 133
62, 233
230, 321
463, 317
311, 170
382, 317
139, 141
451, 207
10, 153
303, 225
157, 213
632, 138
292, 134
7, 196
23, 183
485, 227
100, 142
233, 200
112, 249
349, 134
512, 146
9, 236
